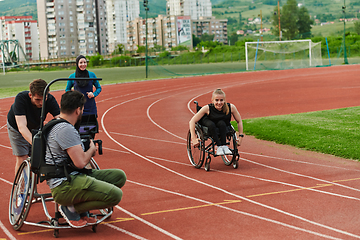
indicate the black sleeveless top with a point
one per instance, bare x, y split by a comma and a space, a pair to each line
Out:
216, 115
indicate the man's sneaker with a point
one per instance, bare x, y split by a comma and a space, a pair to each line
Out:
73, 219
226, 150
219, 151
89, 218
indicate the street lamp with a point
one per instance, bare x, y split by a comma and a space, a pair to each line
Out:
345, 57
146, 36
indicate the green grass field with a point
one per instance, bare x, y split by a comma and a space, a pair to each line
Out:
333, 132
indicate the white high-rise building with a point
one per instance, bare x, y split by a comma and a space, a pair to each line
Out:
68, 28
193, 8
118, 13
24, 30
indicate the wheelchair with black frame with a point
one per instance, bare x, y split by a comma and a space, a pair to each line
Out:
24, 192
206, 145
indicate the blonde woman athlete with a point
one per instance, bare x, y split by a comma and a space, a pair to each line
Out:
217, 115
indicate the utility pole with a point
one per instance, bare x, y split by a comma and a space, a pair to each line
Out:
98, 26
345, 56
261, 28
279, 20
146, 37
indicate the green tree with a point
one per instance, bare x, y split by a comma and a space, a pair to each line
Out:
293, 21
140, 49
96, 60
195, 40
233, 39
208, 44
357, 27
207, 38
119, 49
288, 19
304, 23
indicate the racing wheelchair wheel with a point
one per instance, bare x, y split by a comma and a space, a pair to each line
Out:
21, 195
196, 154
229, 159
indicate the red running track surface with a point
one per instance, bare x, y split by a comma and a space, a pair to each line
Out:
278, 192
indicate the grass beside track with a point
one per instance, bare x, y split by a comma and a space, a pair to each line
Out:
333, 132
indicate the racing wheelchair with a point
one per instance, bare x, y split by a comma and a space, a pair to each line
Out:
206, 145
24, 192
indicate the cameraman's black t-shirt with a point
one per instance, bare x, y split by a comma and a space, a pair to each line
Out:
23, 106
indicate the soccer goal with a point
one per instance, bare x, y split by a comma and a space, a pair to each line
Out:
282, 54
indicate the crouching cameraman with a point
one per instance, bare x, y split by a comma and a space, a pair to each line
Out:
80, 191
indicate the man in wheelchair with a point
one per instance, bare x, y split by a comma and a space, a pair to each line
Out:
78, 190
217, 115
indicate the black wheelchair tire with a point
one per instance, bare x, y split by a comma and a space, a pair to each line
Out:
229, 159
21, 195
196, 154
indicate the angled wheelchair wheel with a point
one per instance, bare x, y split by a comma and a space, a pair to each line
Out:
196, 154
21, 195
229, 159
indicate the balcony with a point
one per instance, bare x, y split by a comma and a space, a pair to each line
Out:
50, 4
50, 16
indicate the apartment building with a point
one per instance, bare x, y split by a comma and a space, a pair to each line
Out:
68, 28
118, 13
166, 31
211, 26
24, 30
193, 8
136, 33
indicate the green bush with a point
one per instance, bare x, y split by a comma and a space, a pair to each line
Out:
95, 60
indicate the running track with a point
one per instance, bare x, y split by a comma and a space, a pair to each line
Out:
278, 192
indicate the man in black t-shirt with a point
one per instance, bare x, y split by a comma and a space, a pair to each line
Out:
24, 116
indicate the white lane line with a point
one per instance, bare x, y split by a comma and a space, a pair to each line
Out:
148, 223
304, 176
152, 139
6, 181
6, 231
235, 211
266, 180
297, 161
220, 189
115, 150
5, 146
148, 115
124, 231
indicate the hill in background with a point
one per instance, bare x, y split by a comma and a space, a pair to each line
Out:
237, 11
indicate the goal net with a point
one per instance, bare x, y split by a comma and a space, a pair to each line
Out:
282, 54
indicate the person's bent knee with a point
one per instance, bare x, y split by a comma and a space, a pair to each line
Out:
114, 196
121, 178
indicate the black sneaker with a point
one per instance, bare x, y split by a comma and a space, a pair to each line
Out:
73, 219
